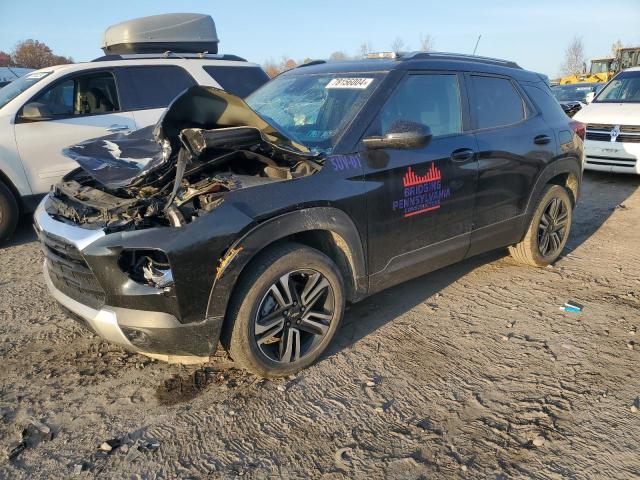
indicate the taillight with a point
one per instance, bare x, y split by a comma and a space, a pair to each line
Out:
579, 128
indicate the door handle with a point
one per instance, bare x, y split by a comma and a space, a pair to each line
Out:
542, 139
462, 155
118, 128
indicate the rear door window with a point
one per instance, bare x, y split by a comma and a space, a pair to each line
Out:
240, 81
495, 102
153, 86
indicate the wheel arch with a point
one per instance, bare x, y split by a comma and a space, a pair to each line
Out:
327, 229
566, 172
4, 178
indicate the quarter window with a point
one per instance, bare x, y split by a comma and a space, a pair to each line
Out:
432, 100
495, 102
156, 87
83, 95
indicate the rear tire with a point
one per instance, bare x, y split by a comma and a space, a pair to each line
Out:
284, 311
8, 212
548, 231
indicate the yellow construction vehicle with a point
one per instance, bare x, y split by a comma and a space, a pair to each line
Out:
603, 69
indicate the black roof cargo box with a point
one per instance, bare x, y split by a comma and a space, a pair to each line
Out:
177, 32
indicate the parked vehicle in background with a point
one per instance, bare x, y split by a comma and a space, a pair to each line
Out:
573, 97
603, 69
9, 74
253, 223
49, 109
613, 125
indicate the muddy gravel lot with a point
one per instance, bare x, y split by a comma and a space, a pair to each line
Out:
472, 371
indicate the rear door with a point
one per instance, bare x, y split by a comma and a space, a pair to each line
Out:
420, 201
147, 90
514, 145
79, 107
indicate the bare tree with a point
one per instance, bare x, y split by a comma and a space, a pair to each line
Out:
427, 42
5, 59
574, 58
339, 55
271, 67
35, 54
397, 45
287, 64
365, 48
617, 45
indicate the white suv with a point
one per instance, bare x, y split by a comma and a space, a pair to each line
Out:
50, 109
613, 125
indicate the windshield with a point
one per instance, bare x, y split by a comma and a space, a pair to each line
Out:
624, 88
313, 109
15, 88
573, 93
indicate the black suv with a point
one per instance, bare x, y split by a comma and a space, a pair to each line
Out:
253, 222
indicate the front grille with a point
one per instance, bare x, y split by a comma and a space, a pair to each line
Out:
611, 161
601, 132
69, 272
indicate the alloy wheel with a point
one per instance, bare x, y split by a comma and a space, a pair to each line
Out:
294, 316
552, 228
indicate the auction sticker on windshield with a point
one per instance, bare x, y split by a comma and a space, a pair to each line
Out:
359, 83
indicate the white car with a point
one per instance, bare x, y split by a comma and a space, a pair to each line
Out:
49, 109
613, 125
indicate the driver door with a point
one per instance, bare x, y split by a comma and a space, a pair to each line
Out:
76, 108
420, 201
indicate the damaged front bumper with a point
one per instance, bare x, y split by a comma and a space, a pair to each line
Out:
162, 322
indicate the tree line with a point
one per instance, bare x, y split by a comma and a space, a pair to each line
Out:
273, 67
32, 54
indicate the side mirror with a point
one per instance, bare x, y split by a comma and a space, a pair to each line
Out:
402, 135
35, 112
590, 96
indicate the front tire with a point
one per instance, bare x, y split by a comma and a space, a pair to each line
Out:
8, 212
285, 310
548, 231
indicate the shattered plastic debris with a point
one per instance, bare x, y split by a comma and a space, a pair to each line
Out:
572, 306
33, 434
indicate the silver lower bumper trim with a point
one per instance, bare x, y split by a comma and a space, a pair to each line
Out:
104, 321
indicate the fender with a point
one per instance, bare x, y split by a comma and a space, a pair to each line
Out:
255, 240
559, 167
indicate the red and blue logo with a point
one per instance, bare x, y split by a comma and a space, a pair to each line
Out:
421, 193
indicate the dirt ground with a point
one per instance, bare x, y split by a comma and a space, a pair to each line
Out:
472, 371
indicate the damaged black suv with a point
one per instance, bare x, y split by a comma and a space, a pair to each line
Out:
252, 223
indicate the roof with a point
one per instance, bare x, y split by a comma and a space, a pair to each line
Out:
419, 60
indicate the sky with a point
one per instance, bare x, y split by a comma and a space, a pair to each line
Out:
535, 34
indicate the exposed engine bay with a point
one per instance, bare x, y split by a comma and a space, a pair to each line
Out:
207, 144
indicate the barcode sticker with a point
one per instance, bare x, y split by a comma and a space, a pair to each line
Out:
358, 83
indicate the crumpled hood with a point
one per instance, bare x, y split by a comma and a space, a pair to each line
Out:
120, 159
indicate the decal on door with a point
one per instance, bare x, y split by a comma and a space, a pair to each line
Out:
421, 193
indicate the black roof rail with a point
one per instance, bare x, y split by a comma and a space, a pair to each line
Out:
457, 56
185, 56
312, 62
